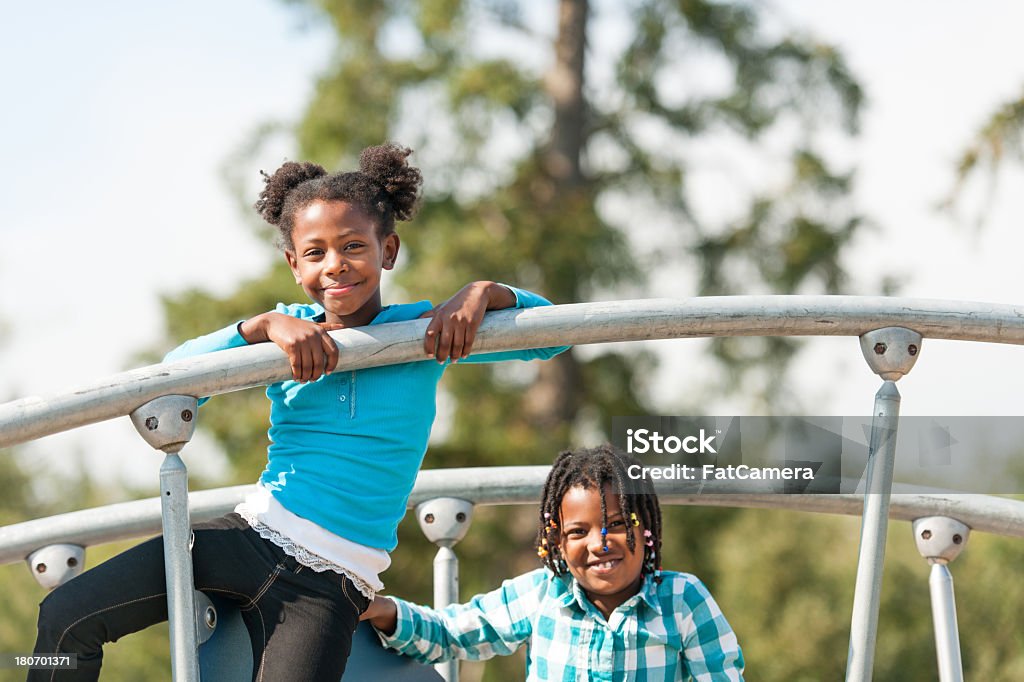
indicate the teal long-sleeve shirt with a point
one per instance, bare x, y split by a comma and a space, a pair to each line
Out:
345, 449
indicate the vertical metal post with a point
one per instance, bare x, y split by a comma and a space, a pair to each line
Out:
445, 520
874, 526
446, 591
947, 637
181, 606
940, 540
168, 423
891, 353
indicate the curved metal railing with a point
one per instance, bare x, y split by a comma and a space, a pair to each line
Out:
483, 486
576, 324
890, 330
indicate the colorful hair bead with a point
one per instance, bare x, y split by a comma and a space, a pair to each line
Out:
541, 552
634, 519
647, 533
547, 515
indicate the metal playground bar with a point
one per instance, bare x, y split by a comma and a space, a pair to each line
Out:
161, 400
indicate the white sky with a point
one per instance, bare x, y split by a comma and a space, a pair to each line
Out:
118, 117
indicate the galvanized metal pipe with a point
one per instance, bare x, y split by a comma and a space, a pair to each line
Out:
446, 591
947, 636
181, 606
940, 540
581, 323
31, 418
110, 523
871, 556
445, 521
494, 486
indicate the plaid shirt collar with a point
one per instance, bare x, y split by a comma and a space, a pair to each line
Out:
565, 590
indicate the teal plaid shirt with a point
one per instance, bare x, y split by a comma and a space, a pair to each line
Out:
672, 631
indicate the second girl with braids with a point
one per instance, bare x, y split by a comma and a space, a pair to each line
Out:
601, 608
302, 556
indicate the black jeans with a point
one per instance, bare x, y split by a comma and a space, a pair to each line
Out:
300, 622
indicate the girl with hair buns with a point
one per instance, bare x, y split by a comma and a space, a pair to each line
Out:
302, 555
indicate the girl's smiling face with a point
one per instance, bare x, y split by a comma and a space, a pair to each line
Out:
337, 258
608, 578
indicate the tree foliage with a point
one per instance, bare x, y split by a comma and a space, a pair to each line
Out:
144, 656
562, 156
558, 158
565, 147
567, 156
996, 143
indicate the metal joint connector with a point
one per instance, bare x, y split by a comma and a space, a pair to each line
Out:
167, 423
891, 352
444, 520
940, 539
54, 565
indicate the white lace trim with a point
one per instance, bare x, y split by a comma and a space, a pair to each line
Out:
301, 554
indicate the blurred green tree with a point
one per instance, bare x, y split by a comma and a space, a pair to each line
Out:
143, 656
785, 580
561, 145
996, 143
21, 595
564, 168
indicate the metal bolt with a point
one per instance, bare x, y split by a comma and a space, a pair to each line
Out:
211, 617
957, 539
912, 349
926, 534
460, 517
41, 568
72, 562
186, 415
880, 349
429, 518
152, 423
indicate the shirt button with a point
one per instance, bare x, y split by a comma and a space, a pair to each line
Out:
343, 398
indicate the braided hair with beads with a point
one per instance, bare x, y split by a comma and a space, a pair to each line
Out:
591, 469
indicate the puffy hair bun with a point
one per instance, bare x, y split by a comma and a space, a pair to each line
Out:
387, 165
284, 180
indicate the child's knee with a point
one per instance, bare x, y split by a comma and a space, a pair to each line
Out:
62, 628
